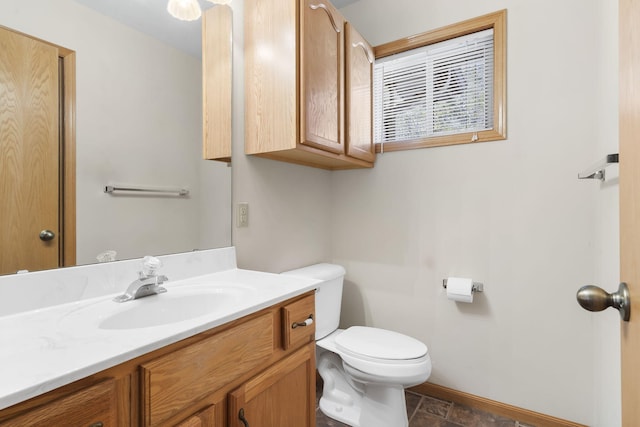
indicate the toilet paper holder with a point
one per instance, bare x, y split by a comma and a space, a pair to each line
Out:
476, 287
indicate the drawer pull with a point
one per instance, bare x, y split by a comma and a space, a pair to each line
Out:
242, 418
307, 322
98, 424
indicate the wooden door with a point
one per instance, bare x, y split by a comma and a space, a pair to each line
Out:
629, 109
359, 59
29, 153
322, 76
282, 395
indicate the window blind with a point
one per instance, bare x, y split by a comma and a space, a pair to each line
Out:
441, 89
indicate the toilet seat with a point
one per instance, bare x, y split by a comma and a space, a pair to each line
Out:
379, 345
411, 366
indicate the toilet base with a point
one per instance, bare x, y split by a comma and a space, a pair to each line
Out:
359, 404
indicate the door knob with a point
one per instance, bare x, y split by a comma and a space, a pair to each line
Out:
47, 235
593, 298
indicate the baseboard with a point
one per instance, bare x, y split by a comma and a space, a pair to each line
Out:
513, 412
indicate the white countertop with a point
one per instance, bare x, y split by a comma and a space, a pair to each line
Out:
47, 348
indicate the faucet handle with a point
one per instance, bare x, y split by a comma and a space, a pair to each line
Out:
150, 265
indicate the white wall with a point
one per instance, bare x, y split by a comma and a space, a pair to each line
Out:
511, 214
289, 205
139, 122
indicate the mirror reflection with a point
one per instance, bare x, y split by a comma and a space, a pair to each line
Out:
138, 122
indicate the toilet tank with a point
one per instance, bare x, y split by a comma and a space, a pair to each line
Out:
328, 294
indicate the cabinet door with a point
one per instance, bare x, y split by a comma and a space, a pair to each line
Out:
283, 395
359, 59
216, 83
322, 81
94, 406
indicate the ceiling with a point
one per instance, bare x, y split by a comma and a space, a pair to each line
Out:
151, 17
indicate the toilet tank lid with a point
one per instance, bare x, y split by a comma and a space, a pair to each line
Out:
323, 271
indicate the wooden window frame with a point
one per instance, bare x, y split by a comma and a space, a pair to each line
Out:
497, 21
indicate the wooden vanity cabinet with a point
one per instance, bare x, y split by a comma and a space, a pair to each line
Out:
295, 104
253, 363
244, 366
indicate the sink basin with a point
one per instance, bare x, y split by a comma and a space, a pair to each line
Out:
176, 305
166, 308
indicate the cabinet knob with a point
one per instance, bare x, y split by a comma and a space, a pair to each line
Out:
242, 418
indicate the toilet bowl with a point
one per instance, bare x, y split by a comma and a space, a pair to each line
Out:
365, 370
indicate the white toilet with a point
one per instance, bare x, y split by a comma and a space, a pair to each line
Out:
365, 370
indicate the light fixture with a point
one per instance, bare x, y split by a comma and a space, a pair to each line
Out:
185, 10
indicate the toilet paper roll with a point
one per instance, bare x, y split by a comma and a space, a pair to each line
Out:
460, 289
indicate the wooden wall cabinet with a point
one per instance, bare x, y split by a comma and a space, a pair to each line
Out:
296, 99
217, 83
251, 364
359, 95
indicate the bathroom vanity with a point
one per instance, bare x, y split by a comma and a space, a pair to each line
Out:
249, 360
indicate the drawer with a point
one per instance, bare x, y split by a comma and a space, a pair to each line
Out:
94, 406
298, 322
174, 381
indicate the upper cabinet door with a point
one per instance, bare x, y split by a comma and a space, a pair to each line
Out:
322, 81
217, 81
359, 100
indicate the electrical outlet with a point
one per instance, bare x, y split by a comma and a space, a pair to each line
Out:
243, 214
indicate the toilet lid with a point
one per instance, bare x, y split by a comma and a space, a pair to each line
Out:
379, 344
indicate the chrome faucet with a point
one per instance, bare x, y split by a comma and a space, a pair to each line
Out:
147, 283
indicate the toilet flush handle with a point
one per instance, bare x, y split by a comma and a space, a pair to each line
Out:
307, 322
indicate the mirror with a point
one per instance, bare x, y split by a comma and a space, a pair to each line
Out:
138, 123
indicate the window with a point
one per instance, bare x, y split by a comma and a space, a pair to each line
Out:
442, 87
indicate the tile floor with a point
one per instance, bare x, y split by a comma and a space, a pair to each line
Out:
425, 411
